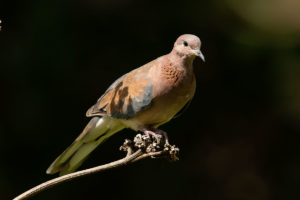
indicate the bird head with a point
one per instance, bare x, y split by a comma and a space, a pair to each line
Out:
188, 46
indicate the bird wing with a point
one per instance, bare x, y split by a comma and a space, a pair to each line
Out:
95, 133
126, 97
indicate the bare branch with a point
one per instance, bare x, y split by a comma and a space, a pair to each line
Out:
143, 146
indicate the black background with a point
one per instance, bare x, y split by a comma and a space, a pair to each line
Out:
239, 139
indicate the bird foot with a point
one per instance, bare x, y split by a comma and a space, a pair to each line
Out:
164, 134
151, 143
157, 135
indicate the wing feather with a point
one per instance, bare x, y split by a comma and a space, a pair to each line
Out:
126, 97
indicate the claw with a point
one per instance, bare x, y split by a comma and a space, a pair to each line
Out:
157, 135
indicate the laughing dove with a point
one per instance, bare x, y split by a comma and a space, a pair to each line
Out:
142, 100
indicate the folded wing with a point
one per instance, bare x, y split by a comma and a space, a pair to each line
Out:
126, 97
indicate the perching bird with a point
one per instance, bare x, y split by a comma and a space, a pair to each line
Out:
142, 100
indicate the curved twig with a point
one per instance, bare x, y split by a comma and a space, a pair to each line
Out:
145, 147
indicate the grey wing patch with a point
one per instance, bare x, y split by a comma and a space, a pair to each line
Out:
123, 101
100, 108
131, 105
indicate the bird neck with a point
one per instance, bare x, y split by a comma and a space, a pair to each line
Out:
182, 61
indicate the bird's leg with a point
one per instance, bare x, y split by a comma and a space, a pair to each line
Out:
150, 133
157, 134
164, 134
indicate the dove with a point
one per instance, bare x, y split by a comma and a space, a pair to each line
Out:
141, 100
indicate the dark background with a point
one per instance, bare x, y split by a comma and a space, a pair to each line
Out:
239, 139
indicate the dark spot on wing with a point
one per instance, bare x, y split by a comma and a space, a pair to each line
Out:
130, 107
100, 107
125, 98
118, 103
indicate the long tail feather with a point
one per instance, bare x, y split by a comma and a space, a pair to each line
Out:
96, 132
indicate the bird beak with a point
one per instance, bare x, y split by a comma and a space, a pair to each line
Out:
199, 54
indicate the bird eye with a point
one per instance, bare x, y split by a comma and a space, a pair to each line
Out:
185, 43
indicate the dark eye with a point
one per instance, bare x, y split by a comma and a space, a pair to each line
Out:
185, 43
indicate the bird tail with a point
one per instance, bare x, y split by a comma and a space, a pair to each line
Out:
96, 132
